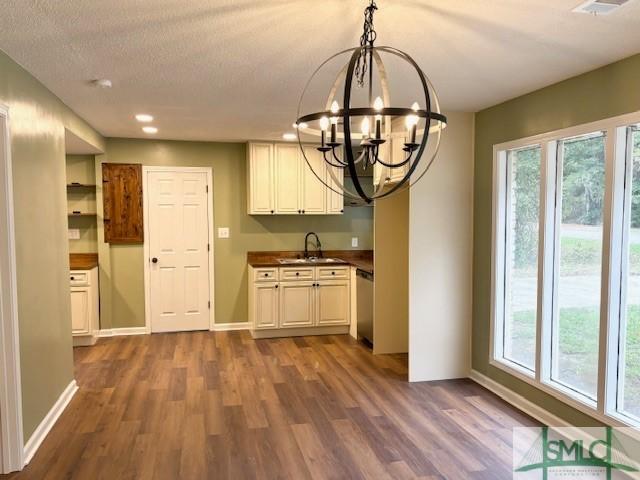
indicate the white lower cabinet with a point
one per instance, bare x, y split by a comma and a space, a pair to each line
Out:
297, 304
84, 306
294, 301
80, 310
333, 302
265, 304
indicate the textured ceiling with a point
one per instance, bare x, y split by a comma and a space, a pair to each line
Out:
233, 70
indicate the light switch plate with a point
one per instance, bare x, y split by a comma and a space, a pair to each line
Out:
223, 232
354, 241
74, 234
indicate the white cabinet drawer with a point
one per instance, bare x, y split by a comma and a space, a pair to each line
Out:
333, 273
265, 274
299, 273
78, 278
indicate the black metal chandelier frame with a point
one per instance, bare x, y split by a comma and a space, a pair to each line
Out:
361, 61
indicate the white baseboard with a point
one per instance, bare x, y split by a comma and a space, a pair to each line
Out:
226, 327
49, 421
117, 332
518, 401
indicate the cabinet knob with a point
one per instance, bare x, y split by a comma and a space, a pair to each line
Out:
73, 278
276, 286
154, 260
272, 211
299, 211
302, 211
333, 273
342, 211
266, 274
297, 274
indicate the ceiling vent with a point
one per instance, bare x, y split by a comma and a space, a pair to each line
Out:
600, 7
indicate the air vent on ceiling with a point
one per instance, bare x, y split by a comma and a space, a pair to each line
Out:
599, 7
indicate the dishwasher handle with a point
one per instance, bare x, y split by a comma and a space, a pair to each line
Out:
364, 274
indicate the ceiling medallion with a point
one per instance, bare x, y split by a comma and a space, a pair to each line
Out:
386, 156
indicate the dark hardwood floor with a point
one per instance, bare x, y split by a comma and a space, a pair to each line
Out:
222, 405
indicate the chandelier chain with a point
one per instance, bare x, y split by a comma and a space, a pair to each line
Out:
368, 37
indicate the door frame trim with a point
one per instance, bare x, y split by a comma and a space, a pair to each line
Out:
11, 433
147, 279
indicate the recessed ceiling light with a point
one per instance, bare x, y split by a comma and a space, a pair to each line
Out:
289, 136
102, 83
149, 129
144, 117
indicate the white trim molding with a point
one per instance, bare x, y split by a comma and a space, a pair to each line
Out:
49, 421
210, 233
518, 401
119, 332
228, 327
11, 434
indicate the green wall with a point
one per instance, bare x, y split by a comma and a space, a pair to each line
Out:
605, 92
37, 122
82, 169
122, 267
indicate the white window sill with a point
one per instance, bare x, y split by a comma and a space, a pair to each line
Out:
565, 395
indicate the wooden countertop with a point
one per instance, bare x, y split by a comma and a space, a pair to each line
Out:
362, 259
83, 261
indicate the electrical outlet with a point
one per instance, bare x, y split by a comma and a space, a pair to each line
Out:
74, 234
354, 241
223, 232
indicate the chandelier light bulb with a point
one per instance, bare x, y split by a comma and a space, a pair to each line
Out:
364, 126
324, 124
378, 104
411, 121
415, 107
335, 108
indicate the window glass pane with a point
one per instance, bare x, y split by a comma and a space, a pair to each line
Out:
629, 367
576, 322
521, 285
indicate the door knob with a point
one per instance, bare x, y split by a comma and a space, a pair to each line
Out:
154, 260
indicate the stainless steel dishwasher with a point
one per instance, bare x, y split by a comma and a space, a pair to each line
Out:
364, 285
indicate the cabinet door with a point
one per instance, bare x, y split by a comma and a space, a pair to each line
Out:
398, 155
265, 304
122, 203
313, 190
333, 303
335, 201
287, 174
297, 304
261, 179
80, 309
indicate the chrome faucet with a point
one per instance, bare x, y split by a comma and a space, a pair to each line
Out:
306, 244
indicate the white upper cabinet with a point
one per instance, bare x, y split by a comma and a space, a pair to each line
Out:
280, 182
391, 152
314, 192
287, 185
261, 178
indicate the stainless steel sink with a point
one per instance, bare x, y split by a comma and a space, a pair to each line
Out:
299, 261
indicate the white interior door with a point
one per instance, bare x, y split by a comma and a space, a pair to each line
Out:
178, 250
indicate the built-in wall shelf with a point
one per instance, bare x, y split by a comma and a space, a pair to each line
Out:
81, 185
82, 214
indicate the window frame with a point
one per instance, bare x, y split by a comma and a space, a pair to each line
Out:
615, 207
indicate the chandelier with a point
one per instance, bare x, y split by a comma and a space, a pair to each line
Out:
386, 155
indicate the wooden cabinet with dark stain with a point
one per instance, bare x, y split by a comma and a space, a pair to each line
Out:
122, 199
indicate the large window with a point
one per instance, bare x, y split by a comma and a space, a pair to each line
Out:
521, 267
566, 265
576, 316
628, 372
